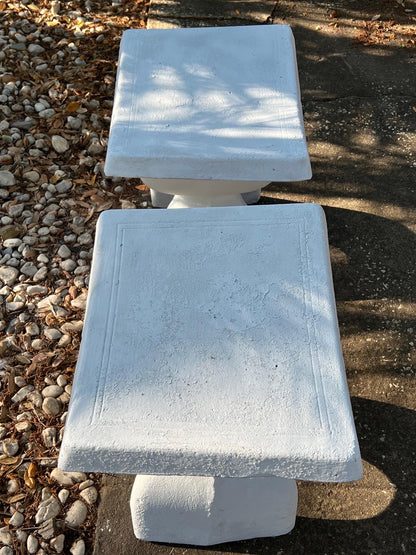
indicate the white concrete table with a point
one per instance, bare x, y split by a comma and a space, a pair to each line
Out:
211, 350
207, 107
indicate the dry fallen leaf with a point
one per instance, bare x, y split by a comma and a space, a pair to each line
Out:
105, 206
90, 215
72, 107
9, 460
30, 482
32, 470
16, 498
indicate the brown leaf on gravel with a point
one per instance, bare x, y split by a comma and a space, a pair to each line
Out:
30, 482
12, 387
90, 215
30, 369
59, 359
32, 470
9, 460
40, 358
72, 107
105, 206
16, 498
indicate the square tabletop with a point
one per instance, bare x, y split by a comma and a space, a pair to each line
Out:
211, 347
208, 103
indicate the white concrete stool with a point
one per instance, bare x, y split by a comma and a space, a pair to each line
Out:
211, 366
208, 114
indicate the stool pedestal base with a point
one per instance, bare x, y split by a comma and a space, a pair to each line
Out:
199, 510
162, 200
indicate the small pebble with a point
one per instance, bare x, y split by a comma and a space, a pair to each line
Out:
89, 495
17, 519
48, 508
5, 536
32, 176
47, 529
64, 251
85, 238
63, 496
61, 380
6, 179
86, 484
10, 447
80, 301
76, 514
13, 486
29, 269
67, 478
32, 329
35, 49
49, 437
52, 334
22, 393
21, 535
32, 544
8, 275
52, 391
78, 547
58, 543
64, 186
51, 406
15, 210
60, 144
68, 265
37, 344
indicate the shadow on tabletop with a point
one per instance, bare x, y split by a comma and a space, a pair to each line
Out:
374, 515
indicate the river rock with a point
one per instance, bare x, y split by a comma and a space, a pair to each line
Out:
48, 509
67, 478
6, 179
76, 514
60, 144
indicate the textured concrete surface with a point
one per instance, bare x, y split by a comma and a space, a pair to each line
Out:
182, 110
227, 361
201, 510
360, 123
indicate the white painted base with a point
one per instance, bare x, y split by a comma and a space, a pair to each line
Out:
200, 193
199, 510
162, 200
188, 201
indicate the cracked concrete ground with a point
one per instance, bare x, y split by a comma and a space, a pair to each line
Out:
356, 68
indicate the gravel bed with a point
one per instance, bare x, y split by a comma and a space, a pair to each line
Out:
57, 74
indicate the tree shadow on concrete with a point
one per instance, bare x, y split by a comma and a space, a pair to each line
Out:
391, 450
372, 257
375, 515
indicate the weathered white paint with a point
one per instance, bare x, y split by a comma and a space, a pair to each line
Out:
199, 193
211, 347
162, 200
208, 104
202, 510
